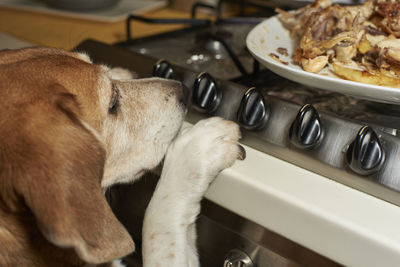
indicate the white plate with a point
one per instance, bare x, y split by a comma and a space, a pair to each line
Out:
270, 34
301, 3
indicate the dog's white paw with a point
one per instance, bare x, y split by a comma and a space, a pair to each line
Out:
203, 151
193, 160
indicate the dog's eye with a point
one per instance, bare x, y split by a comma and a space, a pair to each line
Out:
114, 103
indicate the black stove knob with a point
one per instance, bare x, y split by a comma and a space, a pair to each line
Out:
206, 94
365, 154
253, 111
306, 129
163, 69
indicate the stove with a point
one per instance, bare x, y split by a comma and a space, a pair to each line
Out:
325, 159
204, 50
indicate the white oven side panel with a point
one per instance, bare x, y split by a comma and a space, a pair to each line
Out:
334, 220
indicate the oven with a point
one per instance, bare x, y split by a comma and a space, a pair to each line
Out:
319, 186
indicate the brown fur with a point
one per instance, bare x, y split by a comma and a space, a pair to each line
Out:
52, 210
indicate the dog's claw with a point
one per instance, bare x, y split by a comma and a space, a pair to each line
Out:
242, 153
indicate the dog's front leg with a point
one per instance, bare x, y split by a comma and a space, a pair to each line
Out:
193, 160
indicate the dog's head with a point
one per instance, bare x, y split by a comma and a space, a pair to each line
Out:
69, 128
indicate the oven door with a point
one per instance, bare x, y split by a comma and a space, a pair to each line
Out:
277, 214
224, 238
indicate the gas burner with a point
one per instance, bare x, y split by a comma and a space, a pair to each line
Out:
217, 49
214, 42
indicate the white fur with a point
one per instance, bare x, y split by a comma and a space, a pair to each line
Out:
192, 161
121, 74
138, 136
117, 263
136, 139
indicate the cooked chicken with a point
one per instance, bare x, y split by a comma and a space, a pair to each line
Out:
315, 64
362, 37
333, 26
390, 11
295, 20
389, 52
345, 52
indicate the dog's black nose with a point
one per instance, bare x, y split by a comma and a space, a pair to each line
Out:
184, 97
180, 91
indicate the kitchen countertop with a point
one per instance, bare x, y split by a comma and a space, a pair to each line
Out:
66, 33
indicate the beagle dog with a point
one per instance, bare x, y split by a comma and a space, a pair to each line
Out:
69, 129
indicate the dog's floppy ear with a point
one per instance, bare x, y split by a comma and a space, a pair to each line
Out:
56, 168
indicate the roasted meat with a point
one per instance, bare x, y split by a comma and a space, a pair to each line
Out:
363, 37
295, 20
390, 12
